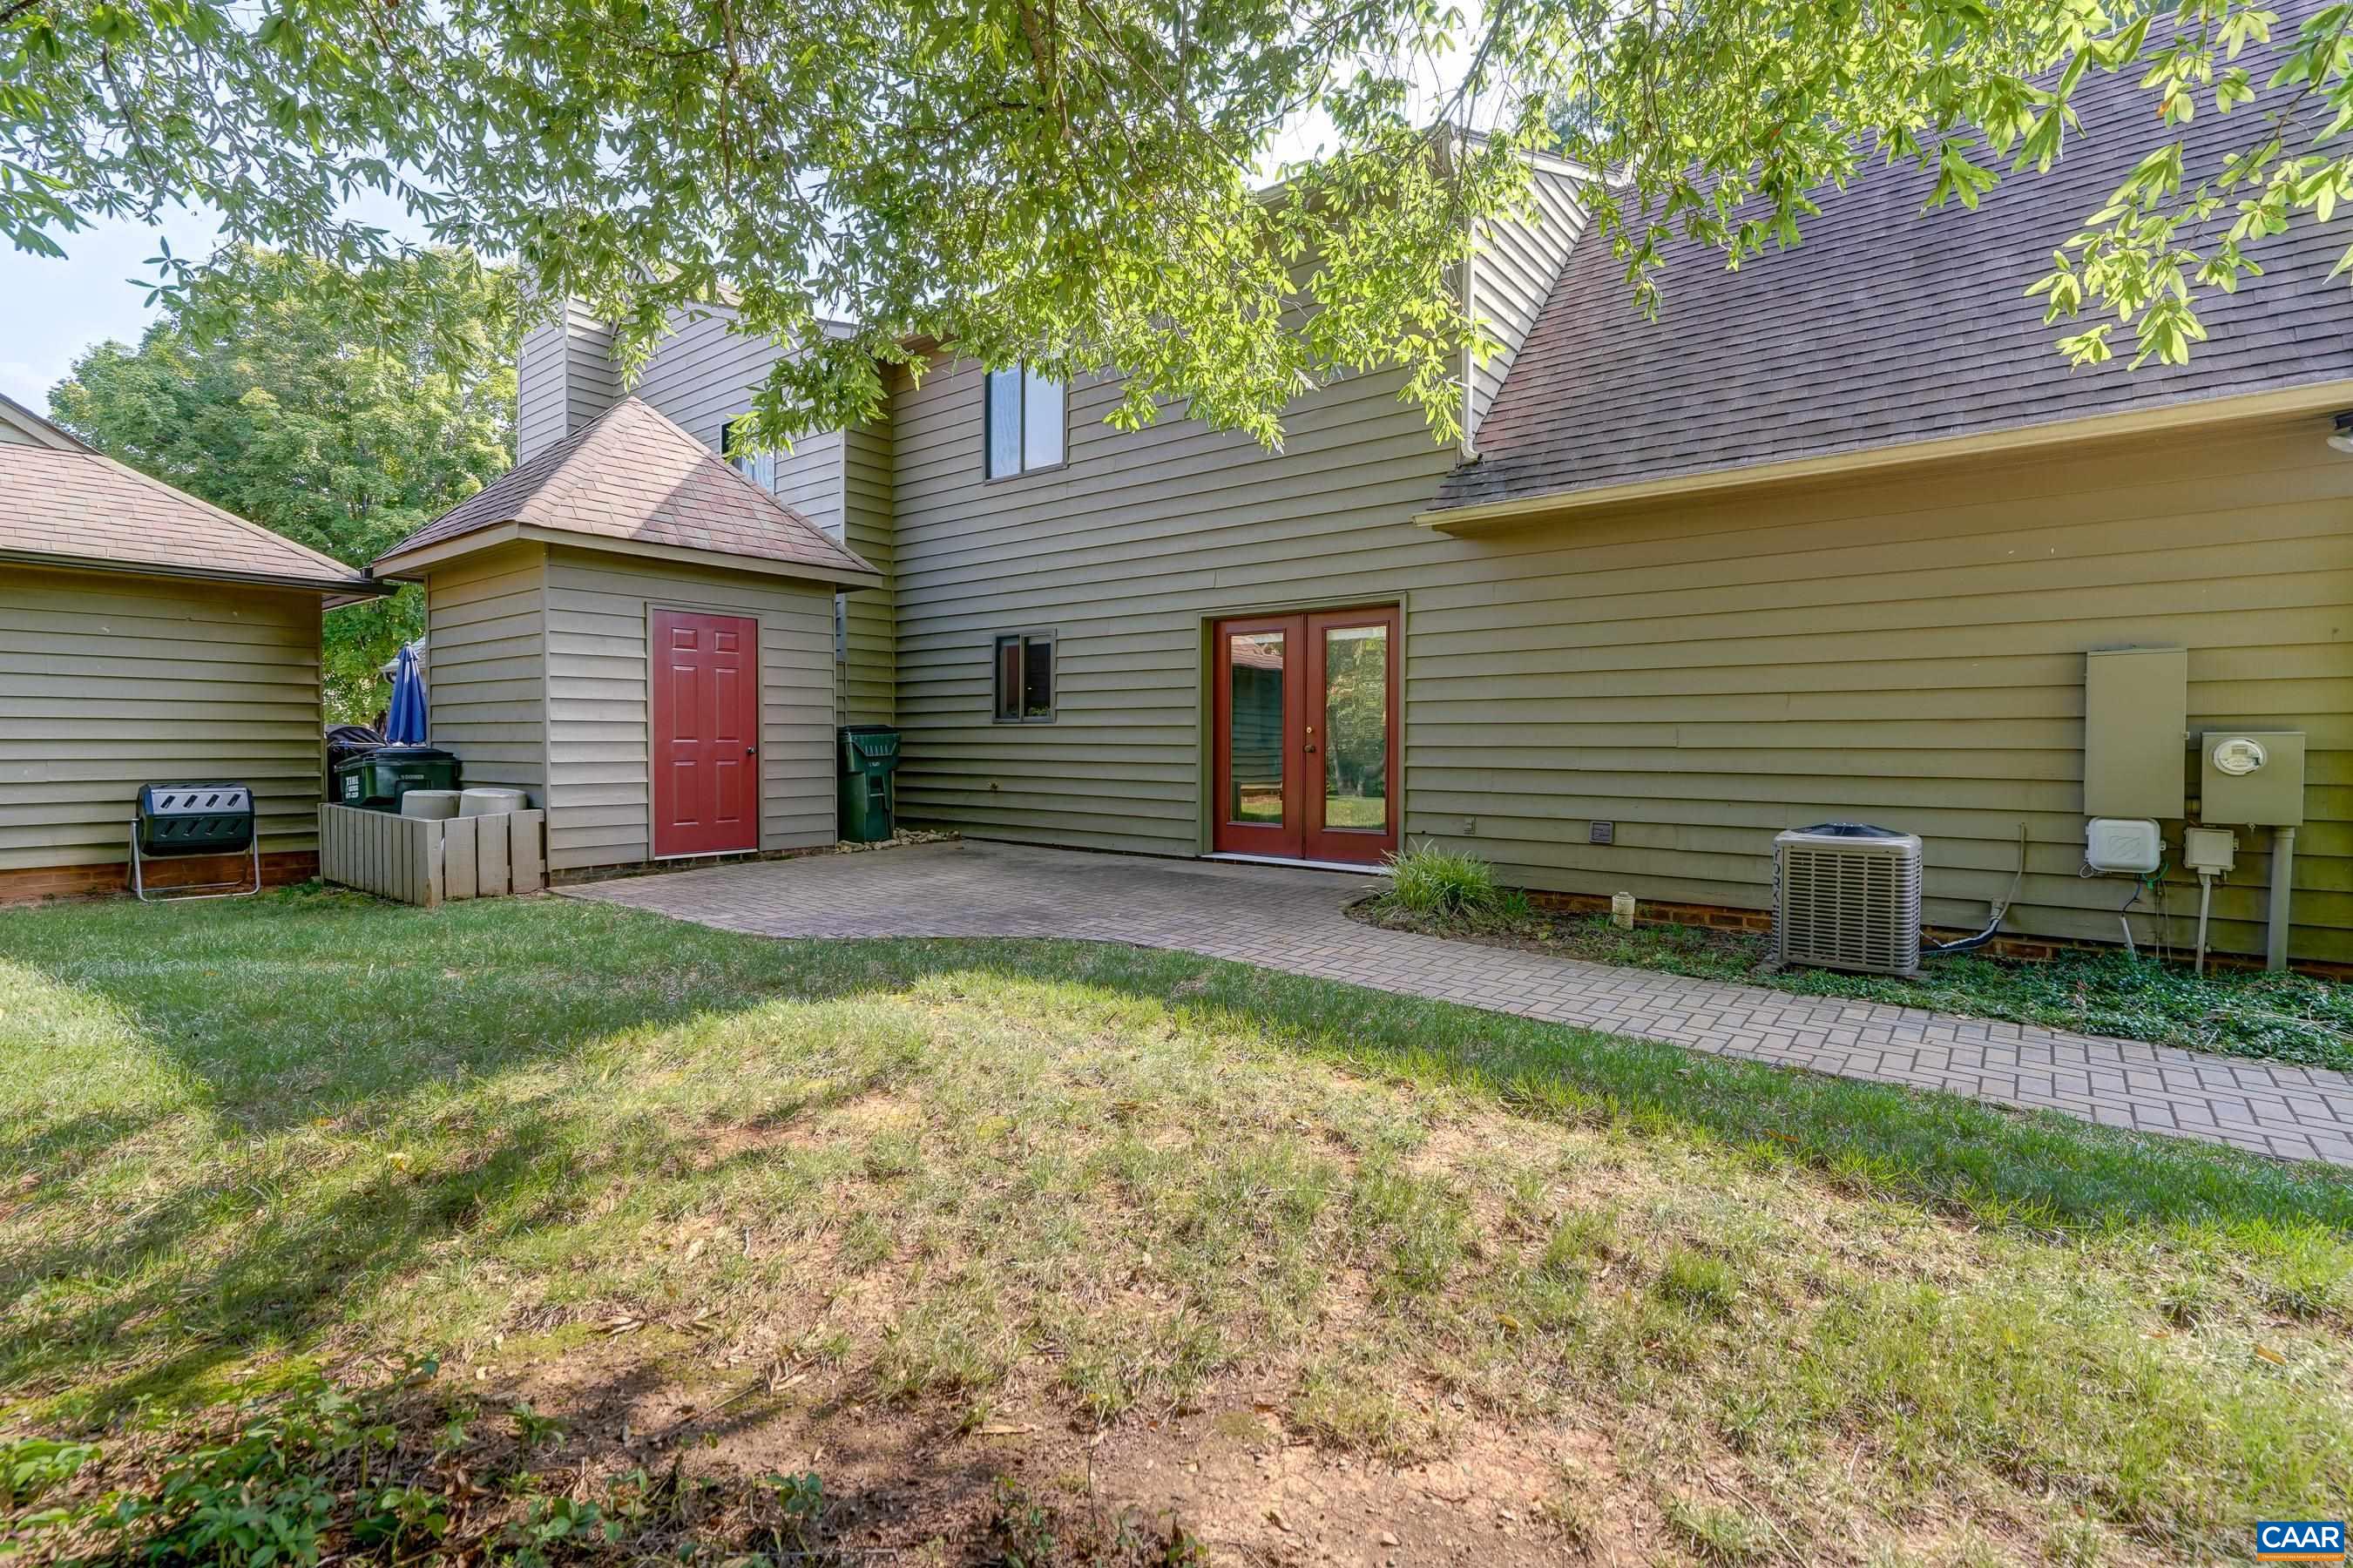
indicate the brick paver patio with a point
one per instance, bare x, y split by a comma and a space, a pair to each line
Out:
1290, 918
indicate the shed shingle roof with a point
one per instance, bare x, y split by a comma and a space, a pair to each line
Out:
70, 503
633, 474
1885, 327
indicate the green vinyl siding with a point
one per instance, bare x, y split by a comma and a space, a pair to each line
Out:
599, 718
869, 683
565, 377
110, 680
538, 675
1121, 554
701, 376
485, 662
1905, 648
1512, 270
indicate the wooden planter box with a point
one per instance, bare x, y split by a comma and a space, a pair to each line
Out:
415, 861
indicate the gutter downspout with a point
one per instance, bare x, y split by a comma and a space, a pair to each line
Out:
2275, 921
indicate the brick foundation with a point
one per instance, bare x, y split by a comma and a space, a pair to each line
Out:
1656, 911
1759, 923
112, 878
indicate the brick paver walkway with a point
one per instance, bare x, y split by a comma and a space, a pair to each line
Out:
1291, 920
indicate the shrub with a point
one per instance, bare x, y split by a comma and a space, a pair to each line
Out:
1427, 880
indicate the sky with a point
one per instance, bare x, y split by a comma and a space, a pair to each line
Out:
54, 308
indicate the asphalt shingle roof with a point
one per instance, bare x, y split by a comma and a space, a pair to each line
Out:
69, 502
1887, 326
632, 474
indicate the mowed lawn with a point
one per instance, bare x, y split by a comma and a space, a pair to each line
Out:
1690, 1309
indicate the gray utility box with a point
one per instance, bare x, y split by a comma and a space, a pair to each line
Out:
2237, 789
2135, 723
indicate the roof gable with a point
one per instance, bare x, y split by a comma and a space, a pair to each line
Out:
1886, 327
25, 427
64, 504
632, 475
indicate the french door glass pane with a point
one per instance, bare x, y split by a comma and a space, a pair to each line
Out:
1004, 423
1356, 727
1256, 663
1042, 422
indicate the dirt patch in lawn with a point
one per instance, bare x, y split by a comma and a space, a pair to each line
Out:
917, 1482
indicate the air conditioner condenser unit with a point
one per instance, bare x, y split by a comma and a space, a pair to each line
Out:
1847, 895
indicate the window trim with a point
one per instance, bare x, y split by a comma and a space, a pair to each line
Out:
988, 422
1052, 640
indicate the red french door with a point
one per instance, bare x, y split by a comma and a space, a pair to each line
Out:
1304, 751
706, 733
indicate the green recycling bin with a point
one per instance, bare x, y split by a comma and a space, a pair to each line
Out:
374, 781
869, 759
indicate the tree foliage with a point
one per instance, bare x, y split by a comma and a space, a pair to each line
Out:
1075, 181
311, 423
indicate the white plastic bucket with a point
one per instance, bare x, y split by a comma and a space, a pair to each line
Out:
490, 802
434, 804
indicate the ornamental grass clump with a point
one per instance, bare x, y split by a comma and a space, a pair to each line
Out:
1447, 884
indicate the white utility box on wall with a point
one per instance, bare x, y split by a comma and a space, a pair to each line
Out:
2210, 851
2131, 843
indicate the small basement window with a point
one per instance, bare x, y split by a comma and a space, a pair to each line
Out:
1025, 678
1022, 423
760, 468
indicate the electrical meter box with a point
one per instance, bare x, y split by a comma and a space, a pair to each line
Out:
2136, 722
2251, 778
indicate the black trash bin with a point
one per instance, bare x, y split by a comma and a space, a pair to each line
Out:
345, 741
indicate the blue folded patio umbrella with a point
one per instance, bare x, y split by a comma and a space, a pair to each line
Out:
404, 725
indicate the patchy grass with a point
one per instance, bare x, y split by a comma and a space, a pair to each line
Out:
2282, 1017
406, 1471
1799, 1319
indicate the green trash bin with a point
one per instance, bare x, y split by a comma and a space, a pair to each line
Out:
376, 780
869, 759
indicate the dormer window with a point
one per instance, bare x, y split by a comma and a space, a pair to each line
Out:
1023, 423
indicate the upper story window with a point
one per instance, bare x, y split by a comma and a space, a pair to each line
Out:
760, 468
1024, 423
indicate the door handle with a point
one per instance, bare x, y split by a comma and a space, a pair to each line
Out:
750, 751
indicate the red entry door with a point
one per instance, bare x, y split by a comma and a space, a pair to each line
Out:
1305, 757
706, 718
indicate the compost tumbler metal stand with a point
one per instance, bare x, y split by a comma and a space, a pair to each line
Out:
200, 891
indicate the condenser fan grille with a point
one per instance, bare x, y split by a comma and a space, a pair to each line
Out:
1848, 901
